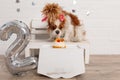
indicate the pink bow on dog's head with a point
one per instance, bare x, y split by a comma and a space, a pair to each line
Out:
61, 17
44, 19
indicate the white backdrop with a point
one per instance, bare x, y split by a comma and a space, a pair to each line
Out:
102, 25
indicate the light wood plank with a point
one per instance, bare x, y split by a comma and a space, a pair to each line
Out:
101, 67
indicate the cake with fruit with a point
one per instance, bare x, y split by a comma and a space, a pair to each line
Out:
59, 43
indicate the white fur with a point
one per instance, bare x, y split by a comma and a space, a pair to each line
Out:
69, 31
53, 34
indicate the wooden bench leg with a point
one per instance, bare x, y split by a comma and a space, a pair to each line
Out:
86, 52
87, 55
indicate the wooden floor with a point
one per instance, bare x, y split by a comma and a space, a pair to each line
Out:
100, 68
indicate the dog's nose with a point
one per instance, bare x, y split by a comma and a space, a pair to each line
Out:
57, 32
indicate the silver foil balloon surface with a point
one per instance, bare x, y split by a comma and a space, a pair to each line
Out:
15, 64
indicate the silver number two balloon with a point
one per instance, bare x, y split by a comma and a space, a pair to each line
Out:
15, 64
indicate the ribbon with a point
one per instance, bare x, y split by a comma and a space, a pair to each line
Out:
61, 17
44, 19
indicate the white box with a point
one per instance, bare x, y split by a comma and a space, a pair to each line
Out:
37, 45
61, 62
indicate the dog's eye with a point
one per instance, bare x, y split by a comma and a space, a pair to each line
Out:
60, 27
54, 27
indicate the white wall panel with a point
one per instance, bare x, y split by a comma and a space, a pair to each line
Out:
102, 25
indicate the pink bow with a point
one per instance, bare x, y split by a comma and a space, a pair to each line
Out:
44, 19
61, 17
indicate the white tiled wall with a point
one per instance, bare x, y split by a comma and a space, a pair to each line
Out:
102, 25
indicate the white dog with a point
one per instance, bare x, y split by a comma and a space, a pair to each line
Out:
63, 24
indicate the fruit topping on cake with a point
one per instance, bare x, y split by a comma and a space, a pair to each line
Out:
59, 43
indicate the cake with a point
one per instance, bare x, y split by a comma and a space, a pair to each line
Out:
59, 43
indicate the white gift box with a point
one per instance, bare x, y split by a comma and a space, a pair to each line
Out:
37, 45
61, 62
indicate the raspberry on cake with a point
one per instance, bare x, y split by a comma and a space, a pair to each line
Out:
59, 43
